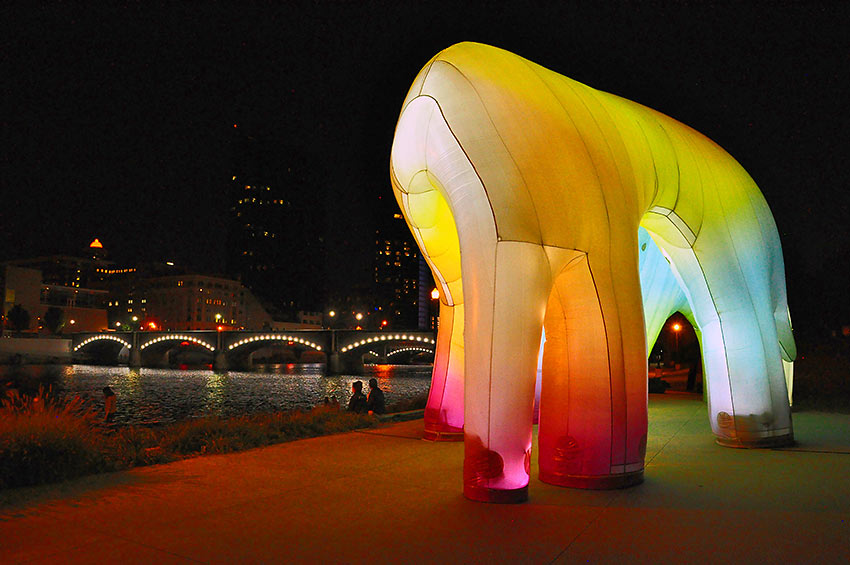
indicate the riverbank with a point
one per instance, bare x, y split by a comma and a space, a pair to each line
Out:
45, 440
36, 349
384, 495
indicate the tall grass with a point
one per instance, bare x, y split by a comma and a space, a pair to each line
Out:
43, 439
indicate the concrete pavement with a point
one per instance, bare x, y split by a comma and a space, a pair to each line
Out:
385, 496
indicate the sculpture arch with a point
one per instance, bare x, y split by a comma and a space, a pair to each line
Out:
526, 191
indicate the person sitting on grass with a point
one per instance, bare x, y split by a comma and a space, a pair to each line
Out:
109, 402
357, 404
375, 401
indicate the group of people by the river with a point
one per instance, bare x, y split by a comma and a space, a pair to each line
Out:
360, 403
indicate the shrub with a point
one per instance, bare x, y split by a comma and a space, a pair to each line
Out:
45, 440
42, 440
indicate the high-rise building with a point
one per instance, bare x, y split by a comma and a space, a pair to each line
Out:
401, 275
275, 244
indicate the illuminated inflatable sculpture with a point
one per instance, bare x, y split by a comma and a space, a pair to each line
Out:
525, 191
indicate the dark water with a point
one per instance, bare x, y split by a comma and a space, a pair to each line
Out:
154, 396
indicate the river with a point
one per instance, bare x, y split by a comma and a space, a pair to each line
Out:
159, 396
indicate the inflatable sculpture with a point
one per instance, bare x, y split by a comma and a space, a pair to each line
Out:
528, 194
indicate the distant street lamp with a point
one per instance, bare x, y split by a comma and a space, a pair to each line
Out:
676, 329
435, 294
358, 316
332, 313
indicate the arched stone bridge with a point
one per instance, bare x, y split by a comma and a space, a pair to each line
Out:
343, 349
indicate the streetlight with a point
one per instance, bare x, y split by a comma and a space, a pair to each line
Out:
676, 329
358, 316
435, 294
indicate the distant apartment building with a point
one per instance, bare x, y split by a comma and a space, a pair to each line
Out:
187, 302
402, 276
95, 294
275, 243
83, 309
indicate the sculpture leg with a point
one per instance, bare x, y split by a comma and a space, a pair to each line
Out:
593, 406
745, 378
444, 411
505, 303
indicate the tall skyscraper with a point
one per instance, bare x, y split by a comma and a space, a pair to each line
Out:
275, 242
400, 273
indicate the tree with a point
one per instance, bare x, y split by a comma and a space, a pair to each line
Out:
54, 319
18, 318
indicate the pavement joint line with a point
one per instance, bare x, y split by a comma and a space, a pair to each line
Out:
671, 438
619, 494
595, 519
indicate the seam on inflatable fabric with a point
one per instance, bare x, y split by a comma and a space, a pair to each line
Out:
448, 125
490, 356
722, 337
768, 258
561, 303
528, 192
608, 360
749, 294
675, 158
698, 158
544, 245
471, 164
427, 72
617, 302
652, 160
586, 147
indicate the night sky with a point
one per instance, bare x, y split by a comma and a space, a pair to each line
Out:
117, 122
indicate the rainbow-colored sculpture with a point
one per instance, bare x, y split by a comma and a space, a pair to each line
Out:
537, 200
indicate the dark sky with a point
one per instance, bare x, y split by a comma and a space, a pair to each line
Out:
116, 121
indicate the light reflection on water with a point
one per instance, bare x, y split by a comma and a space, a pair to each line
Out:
152, 396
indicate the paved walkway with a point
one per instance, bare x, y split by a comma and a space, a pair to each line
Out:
384, 496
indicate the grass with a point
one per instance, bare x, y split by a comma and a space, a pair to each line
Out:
44, 439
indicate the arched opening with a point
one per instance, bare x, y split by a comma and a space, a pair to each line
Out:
101, 350
675, 359
176, 352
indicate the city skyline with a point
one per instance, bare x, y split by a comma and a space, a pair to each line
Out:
120, 117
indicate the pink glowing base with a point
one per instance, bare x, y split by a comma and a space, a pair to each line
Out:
497, 496
595, 482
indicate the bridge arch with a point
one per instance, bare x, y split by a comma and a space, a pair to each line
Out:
388, 337
177, 337
103, 337
408, 349
274, 337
